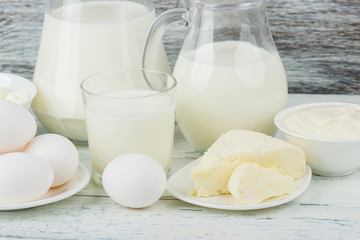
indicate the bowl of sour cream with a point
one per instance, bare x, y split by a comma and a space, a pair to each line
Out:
328, 132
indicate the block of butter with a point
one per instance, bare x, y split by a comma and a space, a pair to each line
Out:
235, 147
252, 184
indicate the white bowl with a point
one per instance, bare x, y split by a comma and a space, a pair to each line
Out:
326, 157
17, 83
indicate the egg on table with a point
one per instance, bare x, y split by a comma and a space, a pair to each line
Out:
23, 177
59, 152
17, 127
134, 180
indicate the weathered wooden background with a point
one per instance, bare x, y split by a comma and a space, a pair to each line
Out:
319, 41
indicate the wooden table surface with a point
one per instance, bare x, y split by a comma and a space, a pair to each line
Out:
329, 209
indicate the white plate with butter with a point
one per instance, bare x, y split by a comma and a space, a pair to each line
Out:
76, 184
180, 185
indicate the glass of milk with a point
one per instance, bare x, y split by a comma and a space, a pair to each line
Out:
79, 38
230, 75
129, 111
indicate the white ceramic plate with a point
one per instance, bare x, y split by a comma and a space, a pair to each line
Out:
180, 185
76, 184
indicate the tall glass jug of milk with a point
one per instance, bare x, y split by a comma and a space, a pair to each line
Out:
80, 38
229, 73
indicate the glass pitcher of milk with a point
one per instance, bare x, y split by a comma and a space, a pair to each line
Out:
229, 73
80, 38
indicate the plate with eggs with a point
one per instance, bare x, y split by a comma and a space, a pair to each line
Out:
35, 170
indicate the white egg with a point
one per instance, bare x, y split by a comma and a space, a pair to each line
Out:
17, 127
134, 180
23, 177
60, 152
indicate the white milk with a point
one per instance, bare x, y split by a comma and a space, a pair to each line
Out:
228, 85
78, 40
142, 125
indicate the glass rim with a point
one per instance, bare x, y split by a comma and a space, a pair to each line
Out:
158, 93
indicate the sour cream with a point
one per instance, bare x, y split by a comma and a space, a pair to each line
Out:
19, 97
325, 121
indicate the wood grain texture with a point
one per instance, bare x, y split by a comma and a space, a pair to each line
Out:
319, 41
329, 209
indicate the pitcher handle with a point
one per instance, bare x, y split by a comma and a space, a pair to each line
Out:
157, 30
